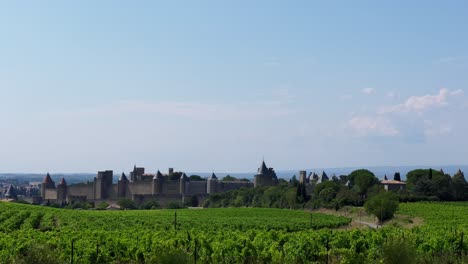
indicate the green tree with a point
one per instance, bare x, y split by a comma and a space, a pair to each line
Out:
424, 187
126, 203
229, 178
196, 178
102, 205
194, 201
152, 204
382, 205
362, 180
397, 176
294, 182
459, 187
414, 176
175, 175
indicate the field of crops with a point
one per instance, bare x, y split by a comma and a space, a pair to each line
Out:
33, 234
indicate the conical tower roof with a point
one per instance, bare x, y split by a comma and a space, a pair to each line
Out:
10, 192
263, 168
158, 176
385, 178
62, 181
47, 179
184, 176
213, 176
123, 177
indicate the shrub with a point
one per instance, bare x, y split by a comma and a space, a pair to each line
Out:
127, 204
382, 205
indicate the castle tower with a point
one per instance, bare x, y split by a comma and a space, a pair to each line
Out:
122, 186
62, 191
46, 183
265, 176
102, 184
11, 192
157, 183
212, 184
182, 181
302, 177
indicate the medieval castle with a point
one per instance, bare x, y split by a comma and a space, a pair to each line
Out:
144, 186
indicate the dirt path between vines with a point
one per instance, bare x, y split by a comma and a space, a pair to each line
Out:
360, 219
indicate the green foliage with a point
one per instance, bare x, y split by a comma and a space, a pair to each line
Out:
175, 176
174, 205
196, 178
397, 176
459, 187
102, 205
414, 176
362, 180
382, 205
126, 203
399, 251
38, 254
151, 204
79, 205
233, 235
229, 178
191, 201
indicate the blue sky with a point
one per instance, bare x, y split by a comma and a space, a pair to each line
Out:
216, 85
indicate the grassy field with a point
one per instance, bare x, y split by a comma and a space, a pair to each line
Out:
17, 216
36, 234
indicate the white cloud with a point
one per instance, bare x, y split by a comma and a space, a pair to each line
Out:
409, 120
419, 104
457, 92
368, 91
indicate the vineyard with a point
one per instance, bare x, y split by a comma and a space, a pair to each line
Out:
34, 234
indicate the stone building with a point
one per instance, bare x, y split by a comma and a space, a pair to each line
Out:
143, 186
392, 185
265, 176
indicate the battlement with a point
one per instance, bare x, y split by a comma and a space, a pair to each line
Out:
142, 186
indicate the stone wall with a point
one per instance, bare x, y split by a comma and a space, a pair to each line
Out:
82, 190
196, 187
143, 187
51, 194
171, 187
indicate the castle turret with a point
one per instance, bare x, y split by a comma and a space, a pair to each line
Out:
102, 184
212, 184
122, 186
265, 176
302, 177
10, 192
157, 183
62, 191
46, 183
182, 181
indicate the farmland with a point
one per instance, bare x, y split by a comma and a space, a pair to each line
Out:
227, 235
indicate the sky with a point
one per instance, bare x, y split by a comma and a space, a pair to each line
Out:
220, 85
